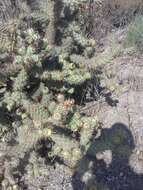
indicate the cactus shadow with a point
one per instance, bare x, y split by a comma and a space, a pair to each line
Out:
98, 170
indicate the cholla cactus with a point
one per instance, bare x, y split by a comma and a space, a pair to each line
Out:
40, 96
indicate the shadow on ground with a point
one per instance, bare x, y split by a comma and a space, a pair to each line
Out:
108, 171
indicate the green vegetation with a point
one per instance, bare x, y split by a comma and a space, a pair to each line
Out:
135, 34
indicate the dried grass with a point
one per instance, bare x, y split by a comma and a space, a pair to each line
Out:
110, 14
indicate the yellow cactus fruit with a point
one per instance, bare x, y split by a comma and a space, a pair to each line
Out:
24, 115
60, 98
37, 123
49, 132
57, 116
